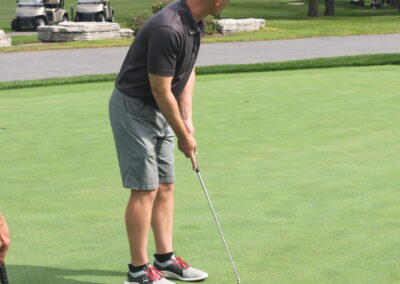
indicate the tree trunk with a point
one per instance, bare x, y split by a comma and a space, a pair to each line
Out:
329, 7
313, 8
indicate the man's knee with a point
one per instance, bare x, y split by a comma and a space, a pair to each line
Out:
143, 196
166, 187
165, 192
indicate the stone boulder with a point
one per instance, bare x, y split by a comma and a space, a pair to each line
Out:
70, 31
125, 33
239, 25
4, 40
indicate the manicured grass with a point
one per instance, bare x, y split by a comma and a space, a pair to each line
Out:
301, 165
279, 9
18, 40
276, 29
342, 61
63, 45
302, 28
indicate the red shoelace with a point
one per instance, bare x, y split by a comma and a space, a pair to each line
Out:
154, 273
180, 262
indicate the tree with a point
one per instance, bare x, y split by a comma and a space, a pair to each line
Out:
329, 7
313, 8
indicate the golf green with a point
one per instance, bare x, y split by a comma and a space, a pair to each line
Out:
302, 167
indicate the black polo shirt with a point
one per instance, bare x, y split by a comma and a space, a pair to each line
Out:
166, 45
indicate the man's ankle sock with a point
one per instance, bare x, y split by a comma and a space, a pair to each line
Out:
163, 257
137, 268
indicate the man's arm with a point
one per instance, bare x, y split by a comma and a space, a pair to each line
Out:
4, 238
161, 89
185, 103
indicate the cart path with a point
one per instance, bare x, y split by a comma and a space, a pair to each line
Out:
74, 62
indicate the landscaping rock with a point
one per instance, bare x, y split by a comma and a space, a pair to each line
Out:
4, 40
70, 31
126, 33
239, 25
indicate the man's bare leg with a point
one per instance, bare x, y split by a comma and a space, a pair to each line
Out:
162, 218
162, 222
138, 220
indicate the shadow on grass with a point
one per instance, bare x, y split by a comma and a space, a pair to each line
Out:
49, 275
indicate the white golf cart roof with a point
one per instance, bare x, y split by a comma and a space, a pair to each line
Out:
92, 1
30, 2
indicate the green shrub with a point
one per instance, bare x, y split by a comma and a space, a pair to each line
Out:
210, 25
137, 21
157, 6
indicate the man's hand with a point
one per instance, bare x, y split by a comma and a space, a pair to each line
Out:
161, 89
4, 239
188, 147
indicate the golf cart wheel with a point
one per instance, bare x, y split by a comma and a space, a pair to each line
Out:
64, 18
40, 22
15, 26
100, 18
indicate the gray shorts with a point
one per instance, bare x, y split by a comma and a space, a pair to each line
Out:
144, 142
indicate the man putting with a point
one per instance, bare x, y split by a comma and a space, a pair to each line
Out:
151, 101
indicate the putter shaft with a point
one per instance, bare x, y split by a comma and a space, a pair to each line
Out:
218, 225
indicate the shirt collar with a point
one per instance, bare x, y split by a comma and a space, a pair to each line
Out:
191, 24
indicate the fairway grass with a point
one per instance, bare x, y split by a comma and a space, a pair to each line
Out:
302, 167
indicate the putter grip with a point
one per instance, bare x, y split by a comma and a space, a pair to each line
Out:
3, 274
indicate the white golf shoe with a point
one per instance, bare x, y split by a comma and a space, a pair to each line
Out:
176, 268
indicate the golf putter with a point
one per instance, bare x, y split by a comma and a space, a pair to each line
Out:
3, 274
218, 225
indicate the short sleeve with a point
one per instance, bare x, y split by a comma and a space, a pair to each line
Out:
163, 50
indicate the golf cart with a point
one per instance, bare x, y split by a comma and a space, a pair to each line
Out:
357, 2
35, 13
377, 4
94, 11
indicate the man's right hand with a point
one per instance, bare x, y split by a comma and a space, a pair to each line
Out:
188, 146
4, 238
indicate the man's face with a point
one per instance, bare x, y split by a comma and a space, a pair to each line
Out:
218, 7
